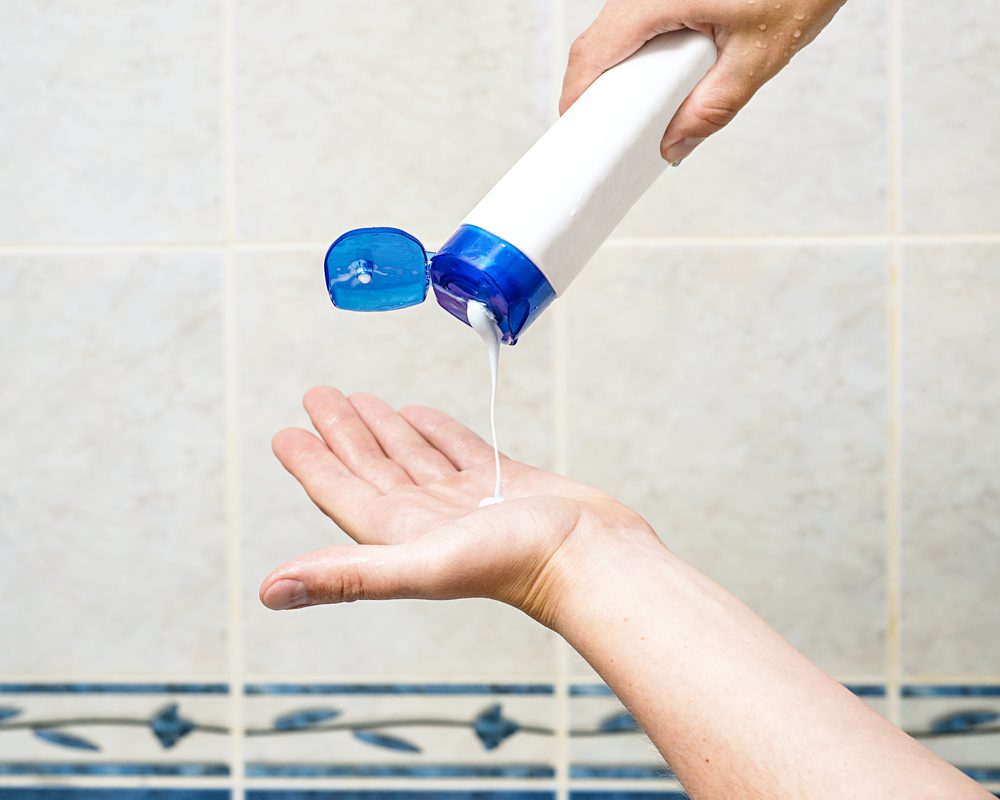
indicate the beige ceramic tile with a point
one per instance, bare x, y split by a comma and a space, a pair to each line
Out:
111, 116
292, 338
950, 451
736, 398
111, 466
806, 156
382, 113
950, 117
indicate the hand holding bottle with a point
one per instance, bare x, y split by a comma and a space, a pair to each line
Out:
755, 39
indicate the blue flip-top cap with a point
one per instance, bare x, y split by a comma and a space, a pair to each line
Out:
376, 269
382, 269
475, 264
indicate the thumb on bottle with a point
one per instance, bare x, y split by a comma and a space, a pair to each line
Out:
712, 104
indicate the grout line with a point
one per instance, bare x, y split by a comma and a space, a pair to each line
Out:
847, 240
557, 63
231, 345
893, 534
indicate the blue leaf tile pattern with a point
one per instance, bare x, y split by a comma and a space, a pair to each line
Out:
963, 721
619, 722
169, 727
65, 739
492, 727
296, 720
386, 741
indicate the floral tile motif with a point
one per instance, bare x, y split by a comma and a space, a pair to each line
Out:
400, 730
114, 729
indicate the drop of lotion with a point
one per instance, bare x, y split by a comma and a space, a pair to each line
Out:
483, 323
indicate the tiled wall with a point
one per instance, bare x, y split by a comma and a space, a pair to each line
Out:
786, 358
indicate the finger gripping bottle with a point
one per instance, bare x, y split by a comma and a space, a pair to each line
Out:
526, 240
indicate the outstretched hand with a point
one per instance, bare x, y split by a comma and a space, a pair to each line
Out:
406, 485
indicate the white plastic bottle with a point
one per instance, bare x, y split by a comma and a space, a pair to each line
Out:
526, 241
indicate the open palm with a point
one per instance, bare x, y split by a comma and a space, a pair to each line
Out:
406, 487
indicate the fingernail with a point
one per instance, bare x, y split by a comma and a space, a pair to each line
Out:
285, 594
681, 149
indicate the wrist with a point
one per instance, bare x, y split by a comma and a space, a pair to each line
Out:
593, 570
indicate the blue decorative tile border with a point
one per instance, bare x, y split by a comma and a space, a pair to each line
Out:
401, 688
604, 794
511, 714
602, 690
967, 690
75, 722
255, 770
108, 769
102, 793
628, 772
405, 794
114, 688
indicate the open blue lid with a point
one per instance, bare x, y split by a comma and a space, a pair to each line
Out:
376, 269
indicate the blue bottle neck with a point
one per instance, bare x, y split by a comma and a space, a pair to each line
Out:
474, 264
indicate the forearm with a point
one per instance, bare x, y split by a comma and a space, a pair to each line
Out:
732, 707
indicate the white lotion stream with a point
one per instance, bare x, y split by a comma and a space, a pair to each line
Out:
482, 321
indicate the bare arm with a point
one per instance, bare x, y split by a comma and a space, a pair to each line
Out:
733, 708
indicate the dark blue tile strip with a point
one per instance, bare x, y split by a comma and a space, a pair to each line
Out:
912, 690
612, 794
865, 690
590, 690
981, 773
259, 770
111, 768
113, 688
404, 794
600, 690
623, 771
400, 688
104, 793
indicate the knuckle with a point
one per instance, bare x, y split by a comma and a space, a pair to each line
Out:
716, 114
580, 47
582, 52
349, 586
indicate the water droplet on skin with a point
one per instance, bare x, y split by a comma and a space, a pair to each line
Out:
751, 73
762, 26
797, 34
775, 37
800, 17
777, 5
794, 46
746, 52
761, 45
